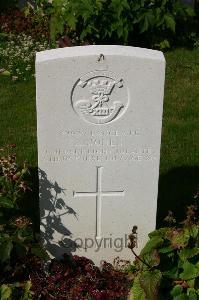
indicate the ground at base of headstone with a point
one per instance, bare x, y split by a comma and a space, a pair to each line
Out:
75, 277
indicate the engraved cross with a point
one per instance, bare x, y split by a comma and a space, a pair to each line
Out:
98, 195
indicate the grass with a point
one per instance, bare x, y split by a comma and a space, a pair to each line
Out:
180, 142
179, 166
18, 118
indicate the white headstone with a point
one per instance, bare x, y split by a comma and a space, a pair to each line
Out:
99, 114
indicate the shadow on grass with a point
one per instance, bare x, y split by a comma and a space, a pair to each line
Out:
176, 190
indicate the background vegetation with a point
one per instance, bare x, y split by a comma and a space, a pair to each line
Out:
168, 264
149, 23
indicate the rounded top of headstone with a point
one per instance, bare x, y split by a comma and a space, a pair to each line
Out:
107, 50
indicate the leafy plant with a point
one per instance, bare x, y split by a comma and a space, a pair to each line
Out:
16, 234
169, 262
14, 229
145, 22
17, 239
16, 291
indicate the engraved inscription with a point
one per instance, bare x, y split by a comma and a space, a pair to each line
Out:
93, 99
98, 195
99, 155
101, 145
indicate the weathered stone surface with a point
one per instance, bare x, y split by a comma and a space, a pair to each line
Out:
99, 113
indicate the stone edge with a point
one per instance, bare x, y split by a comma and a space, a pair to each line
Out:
94, 50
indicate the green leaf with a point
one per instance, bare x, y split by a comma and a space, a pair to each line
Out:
190, 271
71, 20
188, 253
23, 234
177, 290
144, 25
171, 273
165, 249
190, 11
3, 34
6, 202
164, 44
191, 283
150, 282
56, 26
159, 232
152, 259
170, 22
180, 238
181, 297
177, 293
137, 291
120, 31
194, 231
27, 295
6, 292
5, 250
153, 243
37, 250
192, 293
5, 73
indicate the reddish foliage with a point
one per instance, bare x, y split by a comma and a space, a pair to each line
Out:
77, 278
17, 22
64, 41
32, 24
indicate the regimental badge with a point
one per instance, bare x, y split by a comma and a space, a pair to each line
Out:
97, 97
